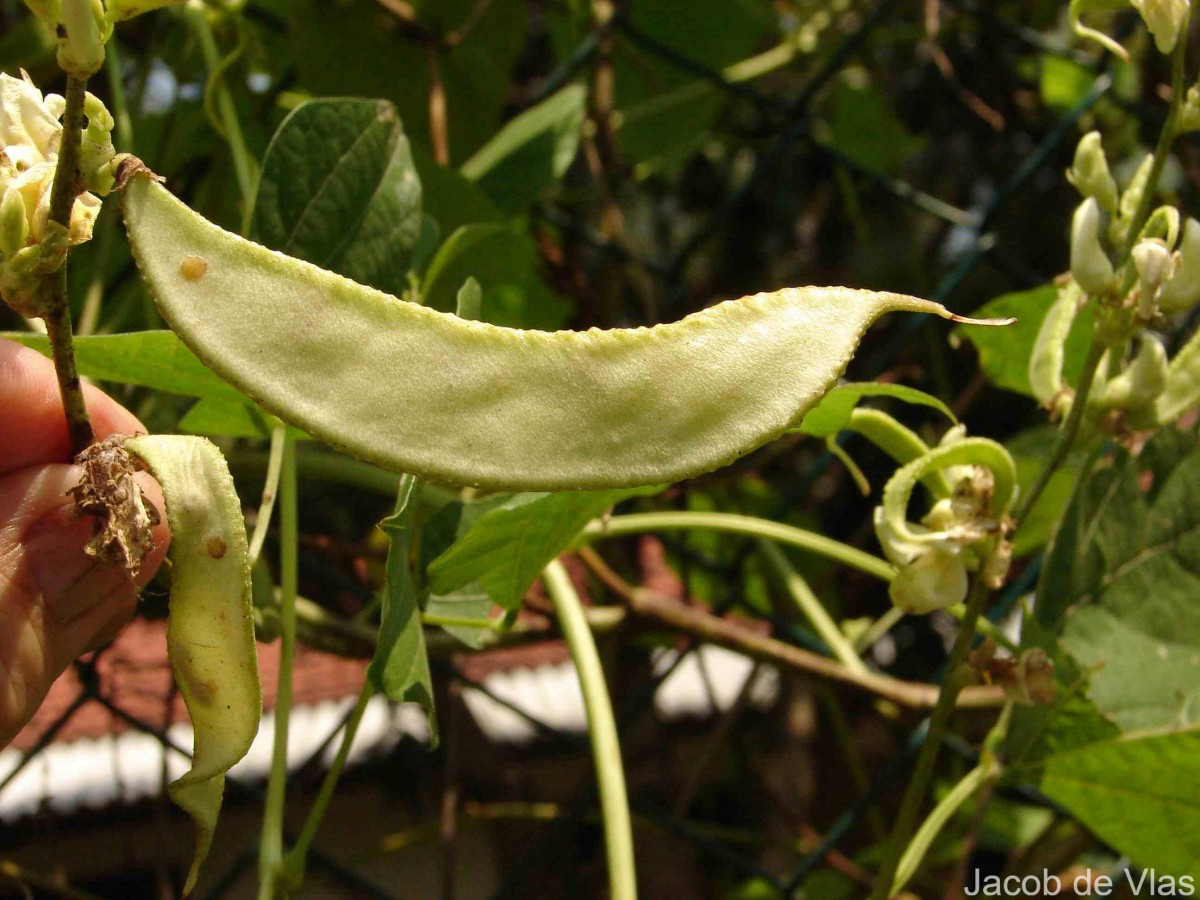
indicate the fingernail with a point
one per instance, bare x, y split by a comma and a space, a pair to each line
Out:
71, 582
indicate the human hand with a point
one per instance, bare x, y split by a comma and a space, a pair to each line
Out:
55, 601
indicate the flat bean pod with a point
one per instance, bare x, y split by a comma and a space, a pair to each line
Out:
428, 393
210, 633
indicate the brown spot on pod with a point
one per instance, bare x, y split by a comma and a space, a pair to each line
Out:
215, 546
193, 268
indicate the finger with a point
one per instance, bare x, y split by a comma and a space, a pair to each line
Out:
33, 427
57, 601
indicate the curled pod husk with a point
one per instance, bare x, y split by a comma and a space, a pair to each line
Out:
434, 395
210, 633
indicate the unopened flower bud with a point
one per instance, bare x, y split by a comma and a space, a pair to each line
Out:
1182, 289
1090, 265
1131, 198
14, 225
1164, 18
1090, 175
1154, 266
1143, 379
82, 32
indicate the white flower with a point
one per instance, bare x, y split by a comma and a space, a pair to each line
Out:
1164, 18
30, 135
932, 574
1152, 258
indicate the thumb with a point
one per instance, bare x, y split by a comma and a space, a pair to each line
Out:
57, 601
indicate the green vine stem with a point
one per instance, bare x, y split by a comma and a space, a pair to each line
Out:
939, 722
270, 489
602, 731
106, 226
57, 310
639, 523
295, 862
1166, 137
271, 846
1066, 437
231, 129
811, 608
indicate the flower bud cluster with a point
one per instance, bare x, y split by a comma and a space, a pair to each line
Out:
31, 245
1166, 256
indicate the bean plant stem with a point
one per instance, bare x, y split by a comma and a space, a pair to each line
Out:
939, 721
1068, 434
637, 523
1166, 137
602, 731
294, 863
106, 226
56, 309
271, 846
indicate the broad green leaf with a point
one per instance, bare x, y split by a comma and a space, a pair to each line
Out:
339, 189
504, 262
833, 412
153, 359
400, 669
471, 602
1121, 582
863, 126
1004, 352
507, 548
531, 152
225, 418
357, 48
1140, 794
451, 199
446, 525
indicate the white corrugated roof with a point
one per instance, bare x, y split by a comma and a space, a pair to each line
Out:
126, 768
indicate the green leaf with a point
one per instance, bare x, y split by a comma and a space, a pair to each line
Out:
714, 33
863, 126
445, 526
504, 262
1121, 582
1064, 83
225, 418
471, 602
449, 197
507, 548
1139, 793
400, 669
356, 48
340, 190
1004, 352
531, 153
153, 359
833, 412
1030, 449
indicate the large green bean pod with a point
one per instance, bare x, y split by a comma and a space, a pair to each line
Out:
210, 634
428, 393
